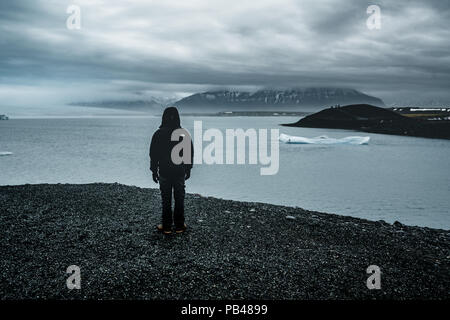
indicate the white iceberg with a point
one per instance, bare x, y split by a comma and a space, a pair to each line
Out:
5, 153
324, 140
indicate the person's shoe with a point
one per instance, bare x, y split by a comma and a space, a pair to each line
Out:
161, 229
181, 229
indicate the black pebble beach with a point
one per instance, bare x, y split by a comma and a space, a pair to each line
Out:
232, 250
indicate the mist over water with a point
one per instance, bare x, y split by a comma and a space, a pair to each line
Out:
393, 178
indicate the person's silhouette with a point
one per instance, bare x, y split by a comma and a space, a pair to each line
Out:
170, 176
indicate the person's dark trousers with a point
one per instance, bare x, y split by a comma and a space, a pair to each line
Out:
166, 185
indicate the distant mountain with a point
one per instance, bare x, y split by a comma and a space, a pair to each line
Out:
426, 103
284, 100
153, 105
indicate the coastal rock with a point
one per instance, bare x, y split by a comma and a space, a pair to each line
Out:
369, 118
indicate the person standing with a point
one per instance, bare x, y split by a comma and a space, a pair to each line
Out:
170, 176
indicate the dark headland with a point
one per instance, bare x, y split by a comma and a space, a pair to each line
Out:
232, 249
368, 118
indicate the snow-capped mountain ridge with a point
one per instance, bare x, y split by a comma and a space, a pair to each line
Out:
275, 99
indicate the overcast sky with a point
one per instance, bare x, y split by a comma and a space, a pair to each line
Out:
137, 48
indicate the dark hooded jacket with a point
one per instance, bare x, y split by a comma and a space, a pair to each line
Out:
161, 146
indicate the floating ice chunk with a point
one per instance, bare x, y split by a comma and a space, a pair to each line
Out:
324, 140
5, 153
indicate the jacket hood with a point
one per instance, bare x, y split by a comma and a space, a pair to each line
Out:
170, 118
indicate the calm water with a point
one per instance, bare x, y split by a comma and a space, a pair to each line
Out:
393, 178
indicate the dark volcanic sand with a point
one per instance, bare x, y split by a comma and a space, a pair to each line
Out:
232, 249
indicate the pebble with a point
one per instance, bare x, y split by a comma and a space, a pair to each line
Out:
322, 256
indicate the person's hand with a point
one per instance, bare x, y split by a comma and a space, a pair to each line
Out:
187, 174
155, 177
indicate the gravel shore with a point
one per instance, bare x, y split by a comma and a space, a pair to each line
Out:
232, 250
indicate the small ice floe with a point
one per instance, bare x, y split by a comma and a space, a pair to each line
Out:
290, 217
252, 210
356, 140
5, 153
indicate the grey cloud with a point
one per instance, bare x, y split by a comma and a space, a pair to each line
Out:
179, 47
